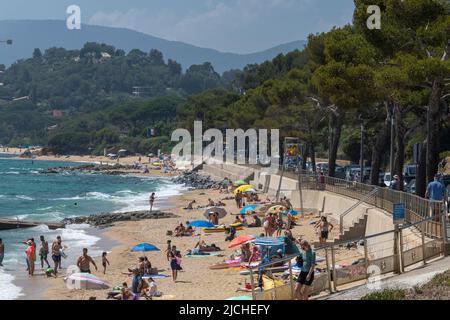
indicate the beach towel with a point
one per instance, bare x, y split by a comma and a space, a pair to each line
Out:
154, 276
204, 255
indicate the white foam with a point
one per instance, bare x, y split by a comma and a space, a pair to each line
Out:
75, 237
8, 291
47, 216
23, 197
140, 201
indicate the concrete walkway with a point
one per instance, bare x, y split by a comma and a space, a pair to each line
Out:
406, 280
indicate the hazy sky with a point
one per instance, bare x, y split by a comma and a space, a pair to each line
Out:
240, 26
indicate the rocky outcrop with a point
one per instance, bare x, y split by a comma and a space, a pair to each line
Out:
107, 219
92, 168
197, 181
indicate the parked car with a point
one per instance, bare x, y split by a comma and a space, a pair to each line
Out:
411, 186
340, 172
387, 179
409, 173
322, 167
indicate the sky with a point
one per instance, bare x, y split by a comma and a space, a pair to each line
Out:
240, 26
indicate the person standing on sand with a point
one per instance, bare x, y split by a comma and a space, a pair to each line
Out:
169, 248
324, 227
84, 262
31, 256
174, 263
238, 199
56, 253
2, 252
43, 252
105, 261
152, 200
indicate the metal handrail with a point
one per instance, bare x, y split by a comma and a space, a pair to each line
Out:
346, 212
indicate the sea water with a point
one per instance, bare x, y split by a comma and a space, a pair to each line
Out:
26, 193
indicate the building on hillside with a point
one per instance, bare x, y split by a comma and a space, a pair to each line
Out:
57, 113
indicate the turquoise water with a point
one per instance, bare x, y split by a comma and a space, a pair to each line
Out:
27, 194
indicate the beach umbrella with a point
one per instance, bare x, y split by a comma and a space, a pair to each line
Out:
269, 241
266, 207
243, 188
276, 209
248, 208
201, 224
240, 240
85, 281
250, 190
144, 247
222, 212
292, 212
239, 183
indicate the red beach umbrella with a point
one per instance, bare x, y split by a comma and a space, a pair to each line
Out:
240, 240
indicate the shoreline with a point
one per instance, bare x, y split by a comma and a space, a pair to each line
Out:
35, 288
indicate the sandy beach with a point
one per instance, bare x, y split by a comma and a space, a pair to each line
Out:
196, 281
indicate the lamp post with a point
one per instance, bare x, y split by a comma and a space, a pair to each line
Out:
361, 151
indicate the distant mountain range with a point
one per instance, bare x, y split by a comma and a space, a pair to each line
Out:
43, 34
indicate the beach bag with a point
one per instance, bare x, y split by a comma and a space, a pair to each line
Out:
169, 233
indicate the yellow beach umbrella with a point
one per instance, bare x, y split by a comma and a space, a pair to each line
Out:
242, 188
276, 209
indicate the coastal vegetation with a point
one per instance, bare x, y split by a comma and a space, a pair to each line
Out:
438, 288
344, 79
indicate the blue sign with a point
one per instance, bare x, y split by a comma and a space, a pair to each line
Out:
399, 213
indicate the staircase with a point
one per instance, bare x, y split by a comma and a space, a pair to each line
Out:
358, 230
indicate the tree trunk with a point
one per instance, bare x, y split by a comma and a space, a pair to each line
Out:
313, 155
433, 130
421, 174
379, 150
335, 128
305, 156
399, 157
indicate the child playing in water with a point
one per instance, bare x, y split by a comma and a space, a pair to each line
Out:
104, 261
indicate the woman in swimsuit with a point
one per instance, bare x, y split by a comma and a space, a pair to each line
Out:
173, 263
324, 228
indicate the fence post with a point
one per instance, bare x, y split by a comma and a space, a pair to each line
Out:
396, 255
444, 228
328, 270
291, 280
400, 234
366, 257
333, 263
423, 246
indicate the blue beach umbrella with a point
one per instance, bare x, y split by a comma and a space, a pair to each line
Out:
144, 247
247, 208
269, 241
201, 224
293, 212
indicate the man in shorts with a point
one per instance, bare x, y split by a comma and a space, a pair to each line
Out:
43, 252
56, 253
306, 276
84, 262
